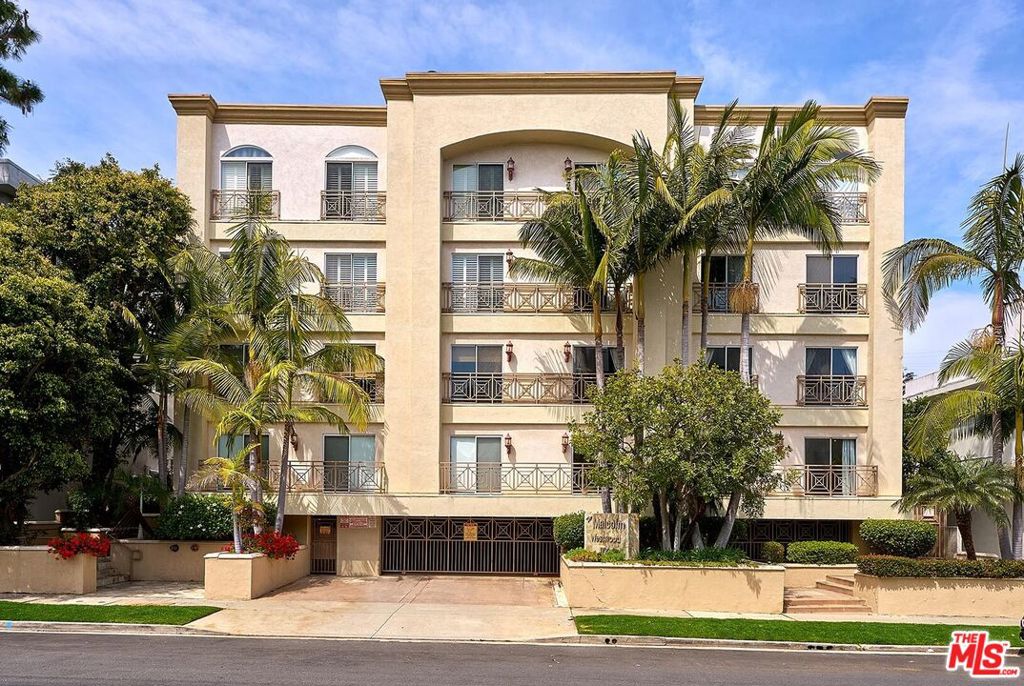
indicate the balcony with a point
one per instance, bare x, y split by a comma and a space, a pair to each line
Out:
530, 478
357, 297
853, 207
332, 477
832, 390
371, 382
241, 204
834, 298
528, 389
353, 206
720, 297
829, 481
493, 206
524, 297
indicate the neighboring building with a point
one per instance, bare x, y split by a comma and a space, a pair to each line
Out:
11, 177
421, 200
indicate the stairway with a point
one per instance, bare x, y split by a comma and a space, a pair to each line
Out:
106, 574
834, 595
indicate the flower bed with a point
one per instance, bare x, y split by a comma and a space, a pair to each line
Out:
69, 545
892, 566
244, 576
706, 557
272, 544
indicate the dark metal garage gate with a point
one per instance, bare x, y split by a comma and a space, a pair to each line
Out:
450, 545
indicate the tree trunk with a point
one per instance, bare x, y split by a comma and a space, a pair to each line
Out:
161, 439
236, 530
745, 347
1017, 516
705, 291
620, 343
282, 479
606, 493
1017, 522
1006, 537
696, 539
186, 428
730, 520
687, 306
640, 333
256, 492
963, 525
666, 526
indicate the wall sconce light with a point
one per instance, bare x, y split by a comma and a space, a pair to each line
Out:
294, 441
565, 443
568, 166
508, 444
510, 167
508, 351
509, 258
567, 351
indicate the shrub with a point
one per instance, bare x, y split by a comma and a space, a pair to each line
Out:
934, 567
200, 517
568, 530
67, 546
613, 556
711, 556
773, 552
821, 553
272, 544
899, 537
582, 555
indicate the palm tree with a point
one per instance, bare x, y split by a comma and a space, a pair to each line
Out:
958, 487
233, 474
992, 250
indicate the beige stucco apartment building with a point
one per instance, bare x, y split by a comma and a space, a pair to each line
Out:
412, 209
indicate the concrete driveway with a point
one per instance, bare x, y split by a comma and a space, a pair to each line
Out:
402, 607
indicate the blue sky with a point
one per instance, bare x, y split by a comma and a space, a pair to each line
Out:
106, 67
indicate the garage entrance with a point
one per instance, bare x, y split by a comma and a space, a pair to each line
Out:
450, 545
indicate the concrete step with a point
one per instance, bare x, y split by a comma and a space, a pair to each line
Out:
826, 597
840, 580
829, 602
834, 587
827, 609
110, 580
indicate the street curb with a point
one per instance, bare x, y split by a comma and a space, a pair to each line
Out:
664, 641
12, 626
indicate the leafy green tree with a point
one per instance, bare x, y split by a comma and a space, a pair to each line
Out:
706, 434
15, 37
959, 487
56, 381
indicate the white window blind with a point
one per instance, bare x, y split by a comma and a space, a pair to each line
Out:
352, 268
464, 177
232, 176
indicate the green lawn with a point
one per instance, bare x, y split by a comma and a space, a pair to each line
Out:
877, 633
120, 614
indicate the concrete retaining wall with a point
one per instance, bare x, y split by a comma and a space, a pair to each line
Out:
163, 560
231, 576
948, 597
806, 576
640, 587
32, 569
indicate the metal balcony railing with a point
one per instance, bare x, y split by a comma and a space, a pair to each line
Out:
539, 389
357, 297
241, 204
332, 477
524, 297
371, 382
831, 481
492, 206
853, 206
833, 298
720, 297
831, 390
353, 206
515, 479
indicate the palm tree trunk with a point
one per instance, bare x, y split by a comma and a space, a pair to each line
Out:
620, 342
687, 308
705, 291
1006, 536
161, 439
606, 494
255, 492
641, 327
1017, 516
282, 479
748, 278
730, 520
236, 530
186, 428
963, 525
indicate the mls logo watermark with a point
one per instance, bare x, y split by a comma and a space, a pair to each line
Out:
974, 653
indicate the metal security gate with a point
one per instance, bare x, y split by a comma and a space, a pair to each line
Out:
448, 545
323, 557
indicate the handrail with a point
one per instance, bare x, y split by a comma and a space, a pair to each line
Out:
513, 387
501, 296
829, 480
231, 204
515, 478
353, 206
357, 297
493, 206
831, 390
833, 298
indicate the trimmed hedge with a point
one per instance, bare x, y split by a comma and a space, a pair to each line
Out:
201, 517
821, 553
898, 537
706, 557
934, 567
568, 530
773, 552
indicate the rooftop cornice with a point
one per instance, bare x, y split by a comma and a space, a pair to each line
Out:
687, 87
350, 115
516, 83
847, 115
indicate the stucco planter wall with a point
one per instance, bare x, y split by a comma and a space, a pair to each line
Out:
231, 576
641, 587
948, 597
806, 576
163, 560
32, 569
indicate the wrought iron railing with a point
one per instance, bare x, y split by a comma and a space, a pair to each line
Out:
371, 382
357, 297
554, 389
242, 204
834, 298
831, 390
829, 480
353, 206
720, 297
332, 477
524, 297
853, 206
513, 479
493, 206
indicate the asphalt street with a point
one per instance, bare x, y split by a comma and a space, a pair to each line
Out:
40, 658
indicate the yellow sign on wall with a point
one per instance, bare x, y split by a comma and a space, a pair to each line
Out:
469, 531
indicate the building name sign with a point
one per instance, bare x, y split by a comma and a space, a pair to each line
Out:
357, 522
612, 531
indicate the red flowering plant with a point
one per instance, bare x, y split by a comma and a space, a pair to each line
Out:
272, 544
67, 546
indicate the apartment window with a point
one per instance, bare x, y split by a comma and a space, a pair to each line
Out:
832, 464
834, 269
476, 373
230, 446
477, 282
727, 357
831, 361
352, 280
351, 184
475, 464
477, 191
246, 168
831, 378
584, 368
724, 272
349, 462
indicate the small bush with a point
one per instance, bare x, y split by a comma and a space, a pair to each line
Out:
711, 556
821, 553
899, 537
582, 555
201, 517
934, 567
272, 544
69, 545
773, 552
568, 531
613, 556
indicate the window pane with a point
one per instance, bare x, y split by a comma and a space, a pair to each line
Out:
816, 451
819, 361
717, 270
732, 359
464, 177
339, 176
844, 269
363, 448
463, 449
488, 449
819, 269
488, 359
491, 177
491, 268
260, 176
463, 359
583, 361
844, 361
232, 176
336, 448
735, 267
